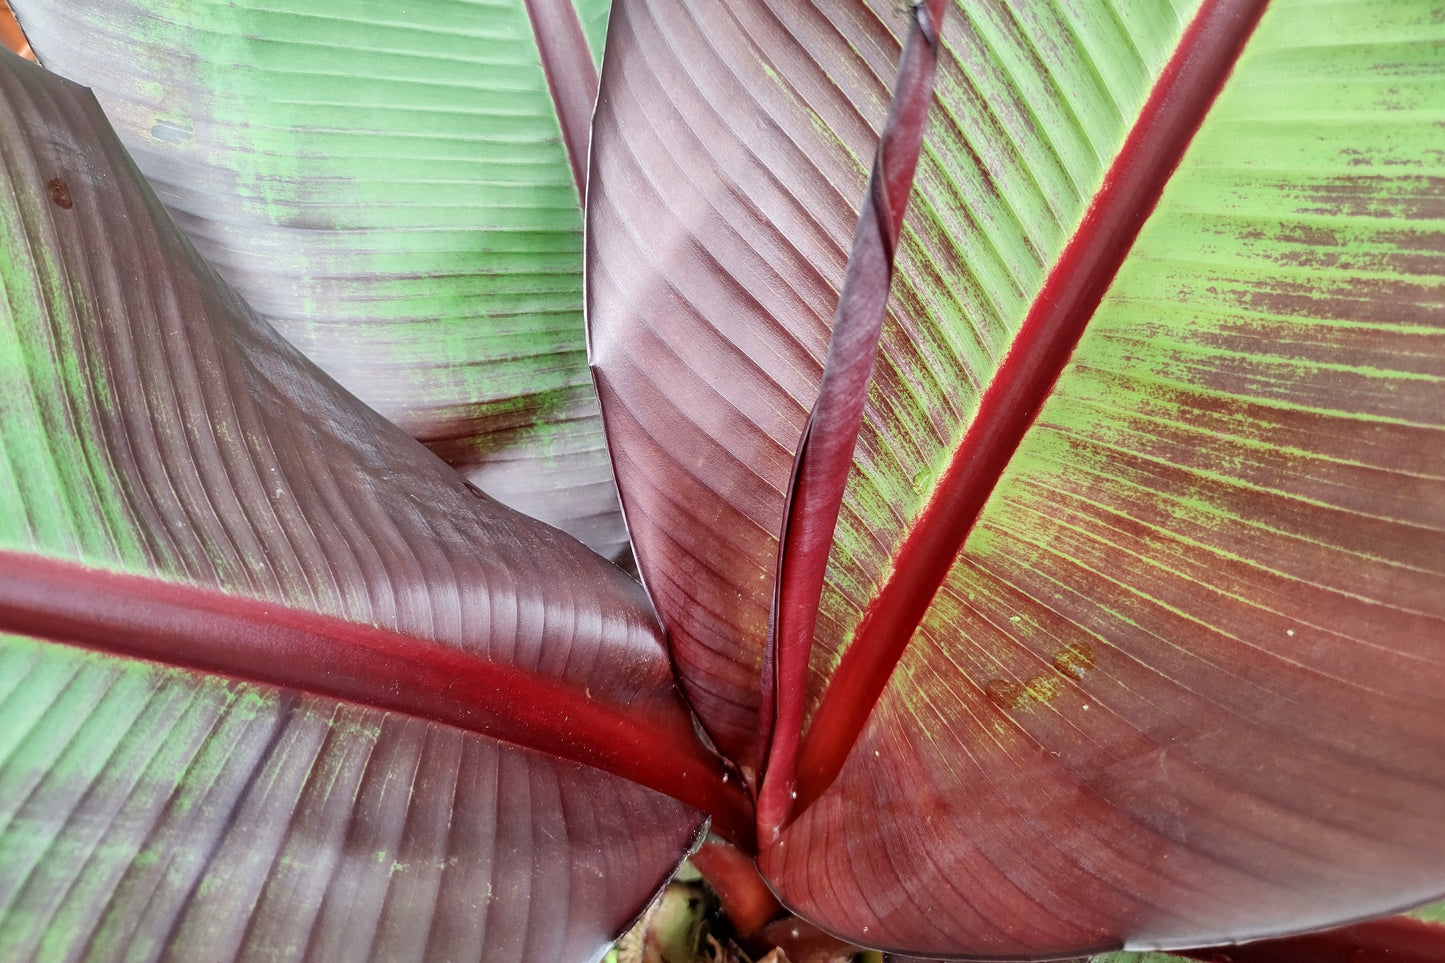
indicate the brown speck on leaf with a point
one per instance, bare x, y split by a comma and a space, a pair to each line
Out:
60, 193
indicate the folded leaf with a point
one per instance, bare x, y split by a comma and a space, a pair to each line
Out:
389, 188
1141, 648
274, 681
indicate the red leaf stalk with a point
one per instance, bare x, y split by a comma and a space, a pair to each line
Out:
269, 644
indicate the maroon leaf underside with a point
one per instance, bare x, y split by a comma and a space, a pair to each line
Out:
1219, 791
1398, 939
293, 545
712, 221
1393, 939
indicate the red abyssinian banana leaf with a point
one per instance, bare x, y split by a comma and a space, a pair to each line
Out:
1131, 628
391, 188
275, 682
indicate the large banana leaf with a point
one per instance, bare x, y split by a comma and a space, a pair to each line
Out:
275, 682
1131, 627
390, 189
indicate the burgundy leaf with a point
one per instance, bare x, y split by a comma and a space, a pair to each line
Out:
709, 227
275, 680
1395, 939
1129, 631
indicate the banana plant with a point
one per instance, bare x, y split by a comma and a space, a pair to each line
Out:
1026, 419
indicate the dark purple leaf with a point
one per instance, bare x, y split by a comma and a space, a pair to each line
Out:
704, 158
1130, 630
276, 682
1395, 939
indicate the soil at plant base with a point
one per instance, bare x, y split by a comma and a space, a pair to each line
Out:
686, 924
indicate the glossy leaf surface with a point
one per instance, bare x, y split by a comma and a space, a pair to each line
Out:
389, 188
207, 550
1181, 683
791, 128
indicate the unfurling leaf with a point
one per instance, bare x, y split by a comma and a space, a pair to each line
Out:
1130, 630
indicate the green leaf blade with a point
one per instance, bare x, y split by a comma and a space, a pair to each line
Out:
393, 194
300, 826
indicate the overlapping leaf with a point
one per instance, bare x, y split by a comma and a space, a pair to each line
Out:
207, 550
755, 161
389, 188
1182, 682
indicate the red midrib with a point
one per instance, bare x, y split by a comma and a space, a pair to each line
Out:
261, 642
1056, 321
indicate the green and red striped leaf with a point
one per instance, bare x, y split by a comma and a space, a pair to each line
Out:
275, 682
1130, 629
390, 188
